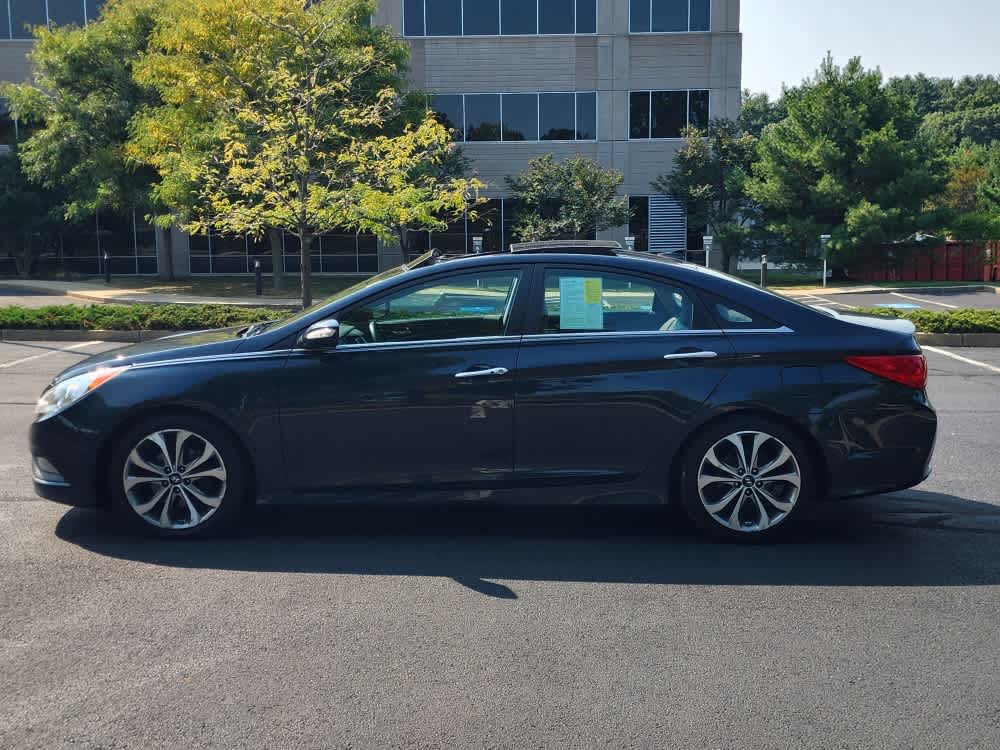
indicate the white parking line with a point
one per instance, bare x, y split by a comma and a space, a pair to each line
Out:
925, 301
960, 358
5, 365
826, 301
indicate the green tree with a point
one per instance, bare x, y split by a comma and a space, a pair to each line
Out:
570, 199
971, 198
29, 215
79, 106
848, 161
284, 114
758, 111
709, 176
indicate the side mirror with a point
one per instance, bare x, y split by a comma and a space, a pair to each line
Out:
324, 334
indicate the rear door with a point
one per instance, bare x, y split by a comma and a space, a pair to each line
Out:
612, 366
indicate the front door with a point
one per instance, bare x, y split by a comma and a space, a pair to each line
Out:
420, 390
610, 371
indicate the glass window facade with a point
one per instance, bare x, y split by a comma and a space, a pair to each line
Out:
482, 117
499, 17
341, 251
669, 16
665, 114
443, 17
519, 117
17, 16
480, 18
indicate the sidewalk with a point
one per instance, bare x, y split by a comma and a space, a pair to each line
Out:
101, 294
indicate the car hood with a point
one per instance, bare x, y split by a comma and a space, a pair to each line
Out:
177, 346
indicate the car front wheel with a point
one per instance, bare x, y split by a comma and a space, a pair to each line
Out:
178, 476
747, 480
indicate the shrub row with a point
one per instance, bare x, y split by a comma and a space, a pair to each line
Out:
133, 317
953, 321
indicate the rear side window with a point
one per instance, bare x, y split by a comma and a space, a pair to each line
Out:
734, 317
582, 301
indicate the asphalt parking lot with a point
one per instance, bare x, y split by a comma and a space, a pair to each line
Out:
878, 627
935, 300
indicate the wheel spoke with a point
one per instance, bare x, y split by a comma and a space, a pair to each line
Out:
165, 513
777, 463
195, 517
718, 464
719, 506
211, 502
734, 517
182, 436
737, 441
206, 454
219, 474
765, 519
157, 439
133, 482
792, 479
150, 504
759, 439
142, 463
782, 505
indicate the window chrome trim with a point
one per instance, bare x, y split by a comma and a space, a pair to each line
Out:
422, 344
734, 331
600, 335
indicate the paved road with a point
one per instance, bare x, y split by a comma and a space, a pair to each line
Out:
941, 300
878, 627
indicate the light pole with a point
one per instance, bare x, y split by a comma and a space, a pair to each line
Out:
824, 241
630, 243
709, 240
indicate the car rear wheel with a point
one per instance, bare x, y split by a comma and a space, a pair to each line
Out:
747, 480
178, 476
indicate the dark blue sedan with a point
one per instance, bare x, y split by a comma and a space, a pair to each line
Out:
551, 374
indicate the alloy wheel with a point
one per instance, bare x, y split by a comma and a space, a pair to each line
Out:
749, 481
174, 479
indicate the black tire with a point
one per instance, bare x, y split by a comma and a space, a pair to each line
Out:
751, 529
234, 496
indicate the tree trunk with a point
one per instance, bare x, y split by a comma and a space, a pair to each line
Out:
168, 254
277, 260
305, 266
23, 263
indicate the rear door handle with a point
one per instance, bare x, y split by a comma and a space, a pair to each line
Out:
692, 355
493, 372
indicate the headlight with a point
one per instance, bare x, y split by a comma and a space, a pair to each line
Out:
69, 391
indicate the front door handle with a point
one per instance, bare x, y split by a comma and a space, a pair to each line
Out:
692, 355
493, 372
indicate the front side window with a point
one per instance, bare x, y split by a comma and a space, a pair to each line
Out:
471, 305
582, 301
665, 114
669, 16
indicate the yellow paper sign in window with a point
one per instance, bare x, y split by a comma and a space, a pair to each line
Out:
592, 291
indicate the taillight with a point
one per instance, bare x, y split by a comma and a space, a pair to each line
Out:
908, 369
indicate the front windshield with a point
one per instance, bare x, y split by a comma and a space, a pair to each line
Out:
370, 281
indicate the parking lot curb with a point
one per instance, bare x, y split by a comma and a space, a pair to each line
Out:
967, 340
125, 337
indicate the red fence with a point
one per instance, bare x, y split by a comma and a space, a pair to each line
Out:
955, 261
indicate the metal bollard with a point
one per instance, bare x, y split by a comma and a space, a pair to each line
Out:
107, 269
763, 272
258, 277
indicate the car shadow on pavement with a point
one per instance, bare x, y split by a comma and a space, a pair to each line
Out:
907, 539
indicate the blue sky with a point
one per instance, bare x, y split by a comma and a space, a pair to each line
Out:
784, 40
